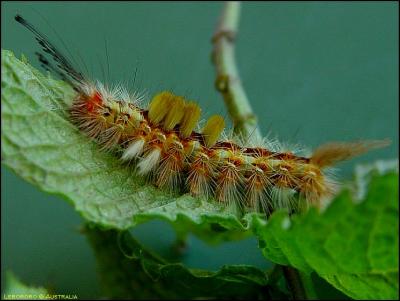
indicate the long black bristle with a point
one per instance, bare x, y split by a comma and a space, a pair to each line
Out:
63, 67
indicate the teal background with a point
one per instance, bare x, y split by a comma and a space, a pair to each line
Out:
313, 71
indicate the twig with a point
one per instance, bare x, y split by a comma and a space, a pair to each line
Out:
245, 122
227, 76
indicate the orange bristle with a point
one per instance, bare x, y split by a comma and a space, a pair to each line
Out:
331, 153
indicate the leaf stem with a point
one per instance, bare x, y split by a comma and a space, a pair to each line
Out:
227, 80
308, 286
294, 283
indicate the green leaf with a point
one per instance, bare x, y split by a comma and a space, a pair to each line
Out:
128, 270
15, 289
354, 246
43, 147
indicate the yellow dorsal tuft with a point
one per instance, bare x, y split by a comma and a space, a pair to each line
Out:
159, 106
190, 119
175, 111
213, 129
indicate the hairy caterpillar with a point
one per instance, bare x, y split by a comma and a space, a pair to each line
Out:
163, 142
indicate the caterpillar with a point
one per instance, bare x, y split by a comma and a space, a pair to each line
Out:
166, 145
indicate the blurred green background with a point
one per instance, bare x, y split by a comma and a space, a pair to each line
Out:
313, 71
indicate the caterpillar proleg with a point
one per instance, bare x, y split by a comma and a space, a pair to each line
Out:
165, 143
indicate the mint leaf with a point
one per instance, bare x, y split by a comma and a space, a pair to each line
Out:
43, 147
128, 270
352, 246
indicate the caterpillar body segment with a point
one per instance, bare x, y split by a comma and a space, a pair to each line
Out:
164, 143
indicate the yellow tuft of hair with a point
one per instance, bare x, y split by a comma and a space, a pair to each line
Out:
159, 106
190, 119
213, 129
175, 111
